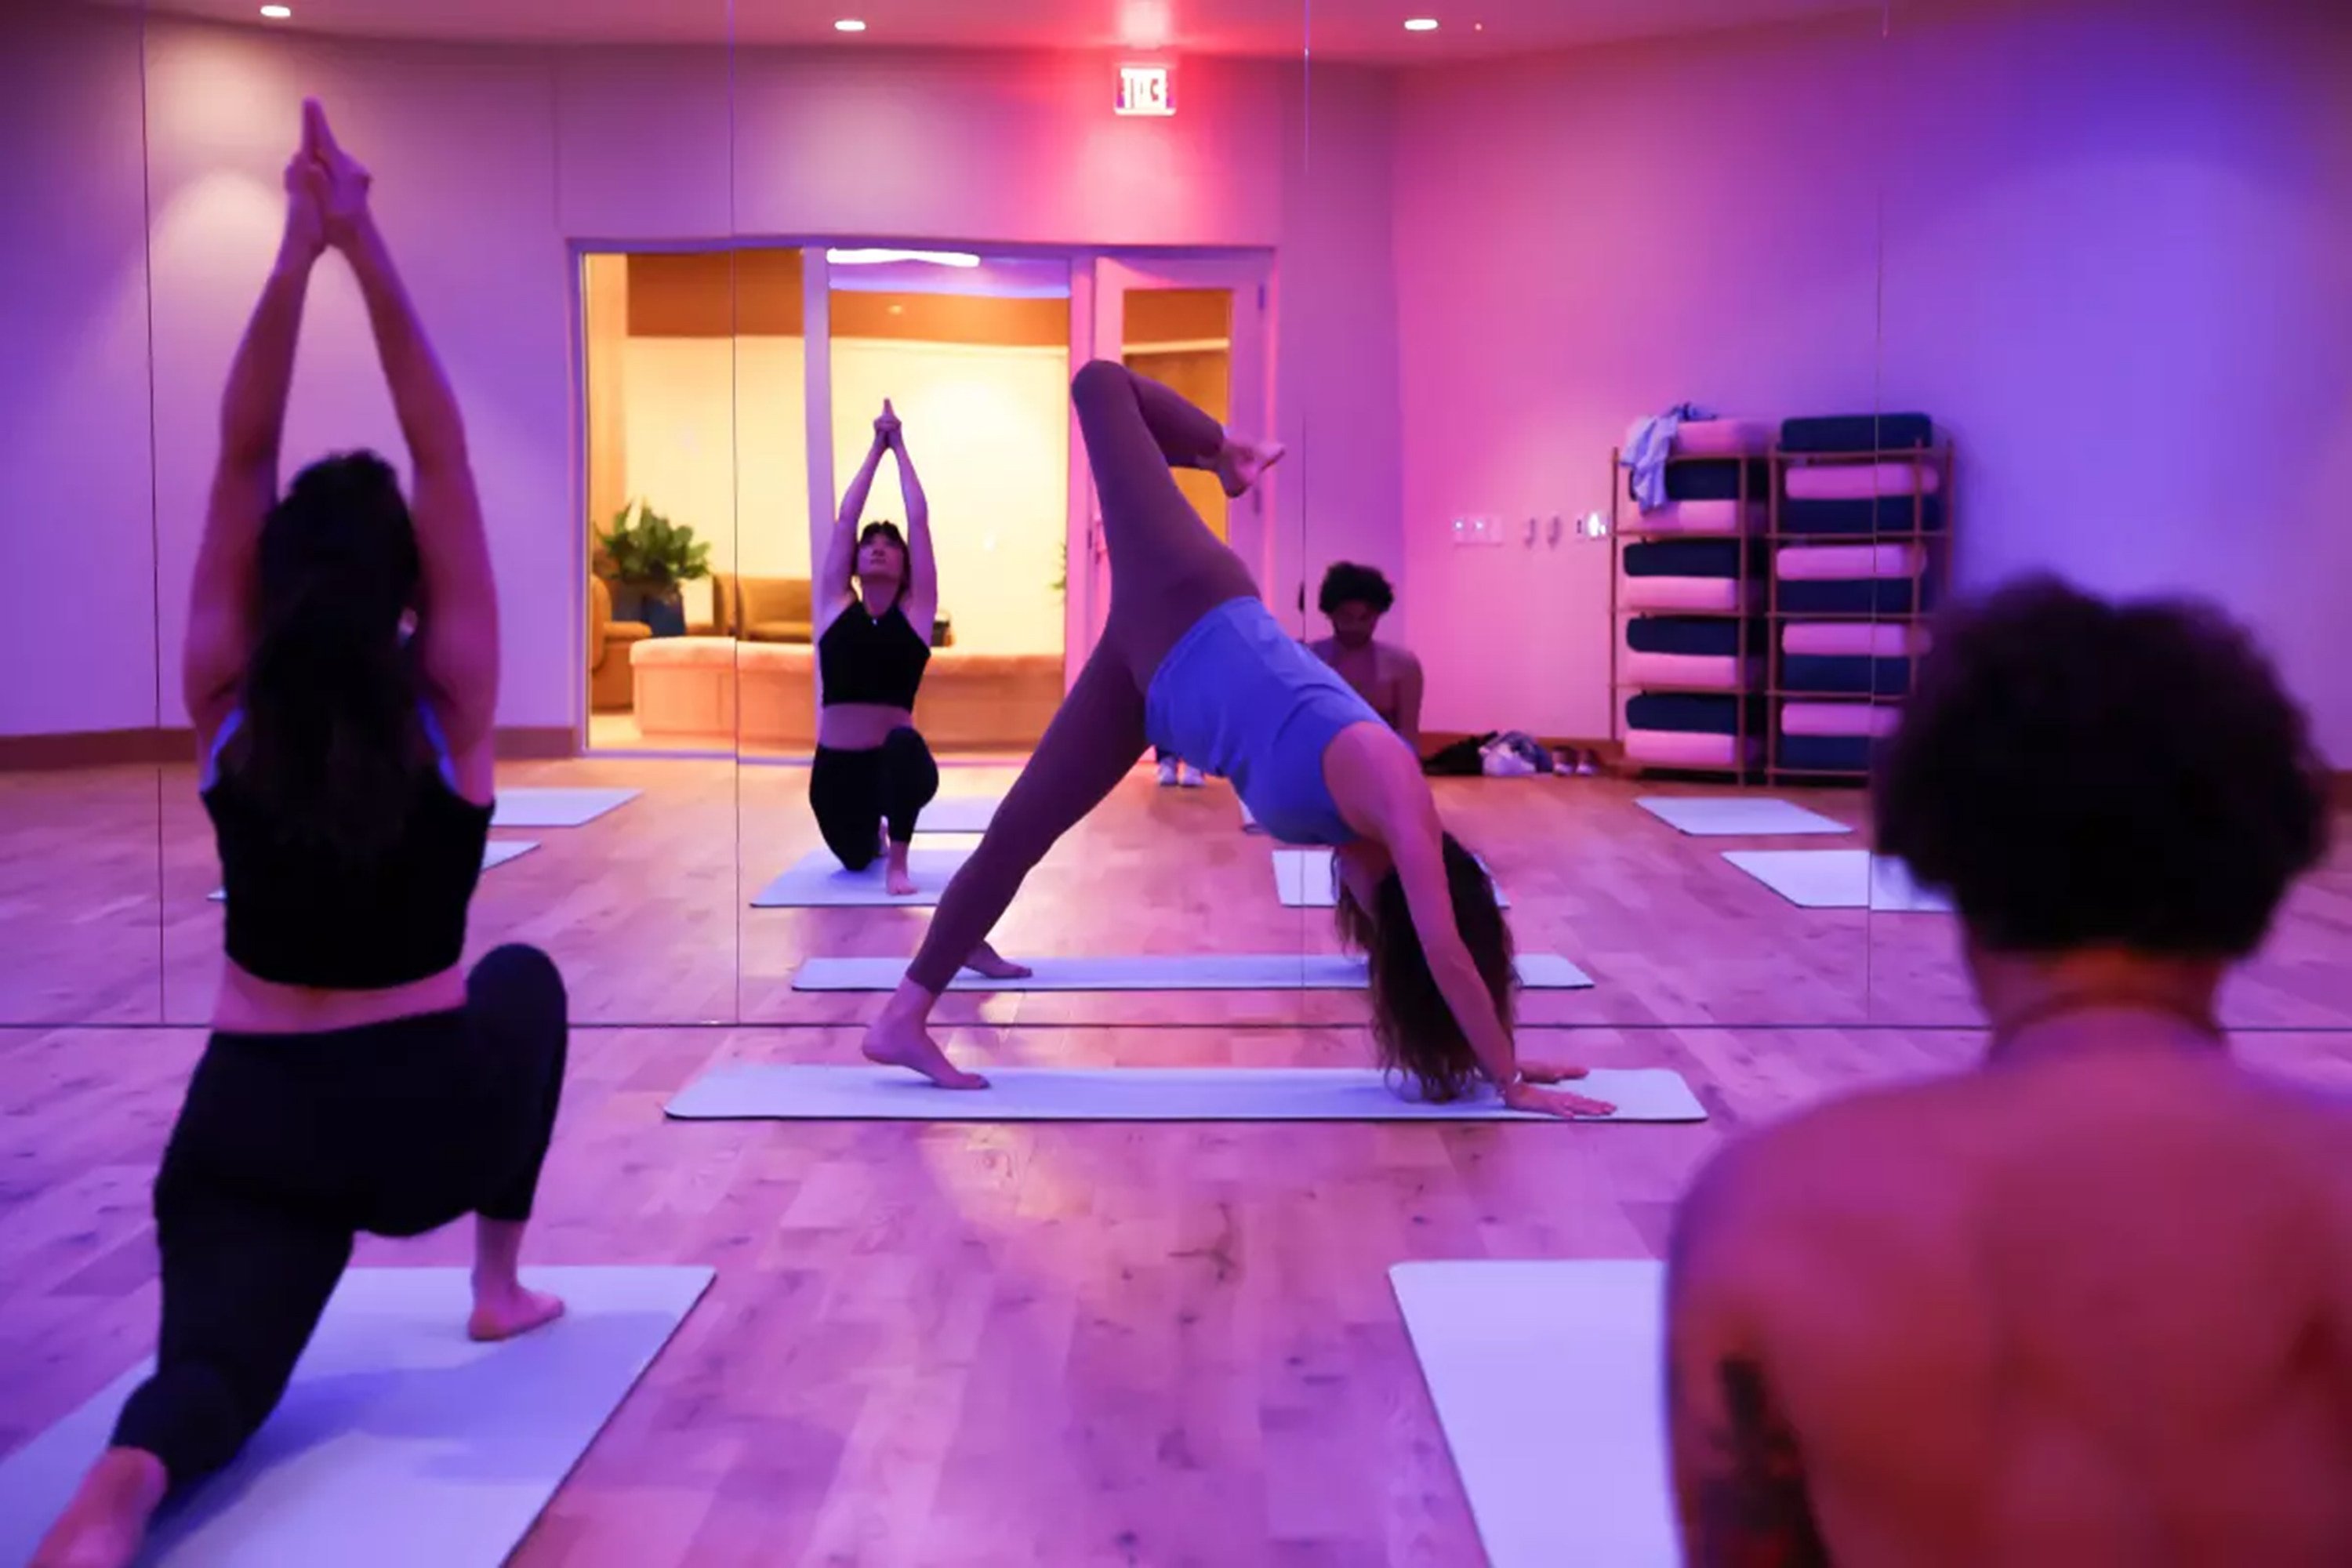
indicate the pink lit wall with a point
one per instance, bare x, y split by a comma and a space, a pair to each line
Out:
2115, 242
488, 162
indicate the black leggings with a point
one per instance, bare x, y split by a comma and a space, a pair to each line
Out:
855, 793
1167, 571
288, 1145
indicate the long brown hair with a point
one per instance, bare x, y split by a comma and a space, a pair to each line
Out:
1413, 1028
332, 744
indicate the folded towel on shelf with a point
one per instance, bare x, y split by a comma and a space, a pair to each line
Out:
1838, 718
1648, 444
1857, 434
1862, 482
1825, 563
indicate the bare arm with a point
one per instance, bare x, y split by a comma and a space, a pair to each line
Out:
221, 609
922, 565
841, 550
1408, 698
1740, 1490
458, 621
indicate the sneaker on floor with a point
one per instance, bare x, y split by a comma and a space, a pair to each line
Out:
1168, 771
1188, 776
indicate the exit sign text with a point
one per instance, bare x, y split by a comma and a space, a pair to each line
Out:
1144, 90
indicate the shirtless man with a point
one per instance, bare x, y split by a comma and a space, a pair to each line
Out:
1388, 677
2088, 1305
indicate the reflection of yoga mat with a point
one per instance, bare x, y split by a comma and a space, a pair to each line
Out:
494, 853
1838, 879
532, 807
1732, 815
958, 814
808, 1093
1165, 971
1549, 1383
1310, 879
817, 882
400, 1442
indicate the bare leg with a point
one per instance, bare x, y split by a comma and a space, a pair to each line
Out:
503, 1307
1092, 743
106, 1522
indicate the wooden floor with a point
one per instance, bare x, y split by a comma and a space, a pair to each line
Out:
973, 1345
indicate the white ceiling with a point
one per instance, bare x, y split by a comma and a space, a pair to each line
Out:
1364, 30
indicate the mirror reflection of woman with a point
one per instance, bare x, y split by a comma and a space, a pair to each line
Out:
1191, 659
357, 1079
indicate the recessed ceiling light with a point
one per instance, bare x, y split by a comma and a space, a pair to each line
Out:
1420, 25
277, 13
849, 25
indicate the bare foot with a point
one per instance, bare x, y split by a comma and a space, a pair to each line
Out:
899, 1042
1242, 463
503, 1312
106, 1522
985, 959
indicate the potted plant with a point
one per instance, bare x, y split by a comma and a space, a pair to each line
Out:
650, 557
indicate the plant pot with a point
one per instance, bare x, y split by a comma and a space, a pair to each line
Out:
666, 613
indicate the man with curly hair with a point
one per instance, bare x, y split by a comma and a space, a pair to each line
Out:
1354, 598
2090, 1302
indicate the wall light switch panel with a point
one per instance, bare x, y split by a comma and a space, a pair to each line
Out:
1487, 530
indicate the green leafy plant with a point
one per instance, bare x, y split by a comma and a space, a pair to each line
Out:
650, 552
1062, 581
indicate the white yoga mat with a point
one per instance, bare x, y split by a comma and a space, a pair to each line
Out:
494, 853
1550, 1383
1734, 815
537, 807
400, 1442
817, 882
1310, 879
1838, 879
958, 814
1165, 971
804, 1091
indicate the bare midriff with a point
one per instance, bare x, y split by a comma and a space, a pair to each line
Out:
248, 1005
860, 726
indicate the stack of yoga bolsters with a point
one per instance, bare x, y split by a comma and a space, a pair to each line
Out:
1858, 534
1692, 577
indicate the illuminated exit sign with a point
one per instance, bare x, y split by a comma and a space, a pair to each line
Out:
1145, 89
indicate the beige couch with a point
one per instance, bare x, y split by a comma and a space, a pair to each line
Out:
716, 691
763, 609
610, 679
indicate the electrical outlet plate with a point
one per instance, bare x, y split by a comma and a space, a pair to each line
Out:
1477, 531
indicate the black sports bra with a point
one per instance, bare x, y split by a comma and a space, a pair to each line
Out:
296, 920
863, 658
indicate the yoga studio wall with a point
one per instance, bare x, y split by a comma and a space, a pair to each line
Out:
1936, 291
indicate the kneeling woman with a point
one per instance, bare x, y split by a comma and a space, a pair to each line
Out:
357, 1079
1191, 660
872, 772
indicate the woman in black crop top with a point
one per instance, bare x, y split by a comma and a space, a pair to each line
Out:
871, 771
357, 1079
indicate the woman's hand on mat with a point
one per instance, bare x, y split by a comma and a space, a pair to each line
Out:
986, 961
1525, 1096
1544, 1072
345, 197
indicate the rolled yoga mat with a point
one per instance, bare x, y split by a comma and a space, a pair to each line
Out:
400, 1442
816, 880
801, 1091
1735, 815
1310, 879
494, 853
1839, 880
1548, 1381
1166, 971
549, 807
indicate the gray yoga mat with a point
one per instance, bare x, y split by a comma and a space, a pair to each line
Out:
803, 1092
1548, 1384
534, 806
495, 853
958, 814
1839, 880
401, 1442
1736, 815
1310, 879
1165, 971
817, 882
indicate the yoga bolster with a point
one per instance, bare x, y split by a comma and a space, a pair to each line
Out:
1888, 515
1724, 437
1720, 673
1698, 517
1863, 481
1684, 594
1838, 718
1710, 635
1845, 675
1856, 433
